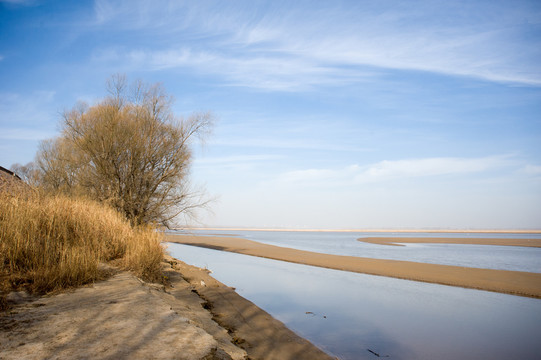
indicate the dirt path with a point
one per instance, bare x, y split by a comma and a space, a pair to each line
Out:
125, 318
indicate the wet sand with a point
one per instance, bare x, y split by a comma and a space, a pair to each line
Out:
398, 241
503, 281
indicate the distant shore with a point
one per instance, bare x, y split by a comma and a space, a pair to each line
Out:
503, 281
444, 231
397, 241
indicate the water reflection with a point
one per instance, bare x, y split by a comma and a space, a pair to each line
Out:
350, 313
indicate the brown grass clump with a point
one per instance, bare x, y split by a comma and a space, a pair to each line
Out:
54, 242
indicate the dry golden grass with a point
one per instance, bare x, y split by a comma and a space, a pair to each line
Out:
53, 242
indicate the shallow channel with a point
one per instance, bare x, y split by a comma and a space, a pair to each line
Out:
353, 316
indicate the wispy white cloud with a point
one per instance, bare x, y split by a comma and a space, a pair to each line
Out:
291, 135
236, 164
21, 116
326, 177
228, 160
407, 39
167, 16
25, 134
386, 170
290, 143
295, 48
394, 169
531, 169
19, 2
9, 98
282, 72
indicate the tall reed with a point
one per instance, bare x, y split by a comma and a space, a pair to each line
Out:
49, 242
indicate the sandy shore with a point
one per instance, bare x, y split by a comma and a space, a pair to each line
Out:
510, 282
193, 317
397, 241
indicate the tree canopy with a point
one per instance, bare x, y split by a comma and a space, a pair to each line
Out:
129, 150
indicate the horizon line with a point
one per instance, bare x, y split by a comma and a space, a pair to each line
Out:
480, 231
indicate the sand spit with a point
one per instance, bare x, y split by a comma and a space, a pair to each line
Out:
398, 241
194, 317
503, 281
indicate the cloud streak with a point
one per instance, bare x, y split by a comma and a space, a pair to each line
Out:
280, 72
388, 170
19, 2
235, 162
294, 49
25, 134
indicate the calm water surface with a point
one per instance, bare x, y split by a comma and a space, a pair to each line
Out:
349, 313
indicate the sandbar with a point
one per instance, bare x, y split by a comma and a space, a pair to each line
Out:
502, 281
398, 241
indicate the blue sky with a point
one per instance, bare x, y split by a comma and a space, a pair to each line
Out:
330, 114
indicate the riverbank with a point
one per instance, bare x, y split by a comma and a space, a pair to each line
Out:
503, 281
192, 317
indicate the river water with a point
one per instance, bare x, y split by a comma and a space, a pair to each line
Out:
353, 316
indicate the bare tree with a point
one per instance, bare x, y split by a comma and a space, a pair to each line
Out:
129, 150
26, 172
